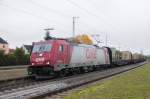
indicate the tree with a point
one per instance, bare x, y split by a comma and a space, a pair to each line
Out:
2, 58
17, 58
19, 54
27, 59
11, 59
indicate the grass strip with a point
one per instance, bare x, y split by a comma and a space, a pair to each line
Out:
132, 85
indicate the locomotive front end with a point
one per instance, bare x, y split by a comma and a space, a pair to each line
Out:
41, 59
41, 54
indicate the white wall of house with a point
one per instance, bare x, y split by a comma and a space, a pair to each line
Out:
25, 50
4, 47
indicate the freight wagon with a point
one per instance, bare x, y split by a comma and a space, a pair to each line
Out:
116, 57
126, 57
135, 58
138, 58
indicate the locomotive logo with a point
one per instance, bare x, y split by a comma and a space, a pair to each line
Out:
90, 53
39, 59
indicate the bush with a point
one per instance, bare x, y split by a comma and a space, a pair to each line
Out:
16, 58
2, 58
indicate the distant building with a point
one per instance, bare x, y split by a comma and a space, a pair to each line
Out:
27, 48
4, 46
11, 51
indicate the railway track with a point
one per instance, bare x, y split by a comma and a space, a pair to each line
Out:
29, 88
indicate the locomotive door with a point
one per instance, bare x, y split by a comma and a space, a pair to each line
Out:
62, 54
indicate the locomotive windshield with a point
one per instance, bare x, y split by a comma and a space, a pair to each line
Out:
42, 48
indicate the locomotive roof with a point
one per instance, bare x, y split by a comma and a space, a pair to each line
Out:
67, 40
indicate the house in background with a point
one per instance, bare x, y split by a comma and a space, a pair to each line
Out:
4, 46
27, 48
11, 51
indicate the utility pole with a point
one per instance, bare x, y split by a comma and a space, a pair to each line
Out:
106, 40
73, 29
142, 52
119, 46
47, 37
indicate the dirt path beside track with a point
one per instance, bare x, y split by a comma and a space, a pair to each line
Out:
12, 73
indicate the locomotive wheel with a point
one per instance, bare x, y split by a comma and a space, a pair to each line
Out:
62, 73
82, 70
77, 70
70, 72
90, 69
85, 69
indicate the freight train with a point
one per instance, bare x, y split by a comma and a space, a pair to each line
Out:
60, 57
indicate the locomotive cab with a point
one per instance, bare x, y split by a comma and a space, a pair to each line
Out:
41, 54
47, 55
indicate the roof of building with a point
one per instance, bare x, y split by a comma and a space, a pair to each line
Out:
28, 47
3, 41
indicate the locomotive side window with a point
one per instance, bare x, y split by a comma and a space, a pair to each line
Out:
61, 48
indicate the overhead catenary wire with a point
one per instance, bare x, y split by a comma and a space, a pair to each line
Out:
95, 15
23, 11
50, 9
58, 13
90, 13
66, 16
33, 15
103, 14
54, 11
45, 20
41, 6
47, 8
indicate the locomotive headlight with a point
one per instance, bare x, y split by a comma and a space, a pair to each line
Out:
40, 54
47, 63
32, 63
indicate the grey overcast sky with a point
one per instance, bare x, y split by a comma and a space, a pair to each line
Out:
126, 22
